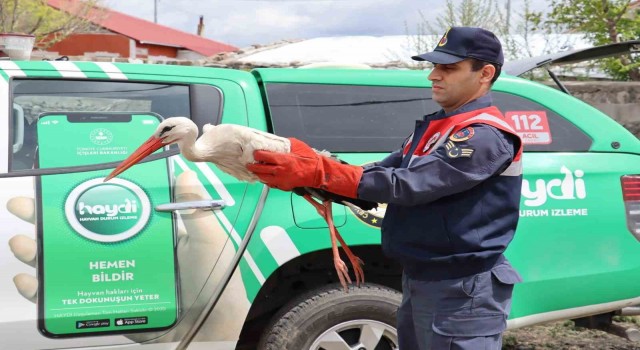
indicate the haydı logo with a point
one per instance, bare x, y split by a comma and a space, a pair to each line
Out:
101, 136
107, 212
572, 186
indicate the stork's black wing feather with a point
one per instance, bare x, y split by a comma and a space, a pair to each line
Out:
323, 195
360, 203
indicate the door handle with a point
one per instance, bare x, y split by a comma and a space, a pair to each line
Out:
216, 204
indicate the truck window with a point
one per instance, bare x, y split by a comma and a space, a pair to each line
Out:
347, 118
32, 98
563, 135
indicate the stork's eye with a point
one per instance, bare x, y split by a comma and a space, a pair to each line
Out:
166, 129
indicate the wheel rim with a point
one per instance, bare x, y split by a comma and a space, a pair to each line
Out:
358, 335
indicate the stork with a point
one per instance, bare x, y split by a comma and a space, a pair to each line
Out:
230, 147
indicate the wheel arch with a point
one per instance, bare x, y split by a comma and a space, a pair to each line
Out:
308, 272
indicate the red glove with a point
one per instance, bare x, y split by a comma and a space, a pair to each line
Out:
303, 167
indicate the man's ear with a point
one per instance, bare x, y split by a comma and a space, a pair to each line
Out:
487, 73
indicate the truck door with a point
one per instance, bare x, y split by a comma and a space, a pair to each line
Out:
45, 195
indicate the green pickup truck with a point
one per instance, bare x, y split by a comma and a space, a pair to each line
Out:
181, 254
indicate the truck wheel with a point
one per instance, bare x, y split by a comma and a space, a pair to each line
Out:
329, 318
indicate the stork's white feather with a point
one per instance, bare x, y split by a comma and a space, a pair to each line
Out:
229, 146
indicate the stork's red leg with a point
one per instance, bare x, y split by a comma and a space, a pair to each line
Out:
356, 262
341, 267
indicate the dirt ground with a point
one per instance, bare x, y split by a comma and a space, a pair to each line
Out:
566, 336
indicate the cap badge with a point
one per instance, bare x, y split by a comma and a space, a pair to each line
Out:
443, 40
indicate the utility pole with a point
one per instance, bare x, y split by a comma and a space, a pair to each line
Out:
155, 11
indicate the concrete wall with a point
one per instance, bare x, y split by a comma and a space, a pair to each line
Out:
78, 44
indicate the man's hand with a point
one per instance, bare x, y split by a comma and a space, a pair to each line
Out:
200, 243
304, 167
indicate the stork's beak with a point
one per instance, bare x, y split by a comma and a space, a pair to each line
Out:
151, 145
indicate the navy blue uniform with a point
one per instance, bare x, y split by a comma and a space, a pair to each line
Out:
451, 214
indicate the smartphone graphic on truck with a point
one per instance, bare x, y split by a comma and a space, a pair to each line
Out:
106, 259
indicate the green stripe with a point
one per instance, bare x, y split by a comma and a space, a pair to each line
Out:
44, 69
92, 70
249, 280
4, 75
258, 250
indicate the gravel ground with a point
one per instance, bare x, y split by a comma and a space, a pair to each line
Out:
566, 336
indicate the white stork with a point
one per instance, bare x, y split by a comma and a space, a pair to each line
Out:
230, 147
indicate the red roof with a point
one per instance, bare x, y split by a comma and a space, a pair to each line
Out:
144, 31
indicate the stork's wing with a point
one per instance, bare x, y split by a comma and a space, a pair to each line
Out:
250, 138
324, 195
360, 203
271, 139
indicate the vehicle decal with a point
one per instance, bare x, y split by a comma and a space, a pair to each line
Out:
216, 183
279, 244
11, 69
531, 126
571, 187
222, 218
111, 70
68, 69
554, 212
237, 239
108, 70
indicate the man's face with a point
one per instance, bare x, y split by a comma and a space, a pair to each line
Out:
456, 84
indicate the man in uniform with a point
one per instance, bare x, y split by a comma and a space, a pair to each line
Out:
453, 194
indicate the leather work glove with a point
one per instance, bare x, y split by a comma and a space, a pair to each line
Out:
304, 167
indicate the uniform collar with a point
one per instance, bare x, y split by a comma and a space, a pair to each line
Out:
480, 102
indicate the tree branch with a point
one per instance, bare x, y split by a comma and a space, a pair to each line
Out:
13, 14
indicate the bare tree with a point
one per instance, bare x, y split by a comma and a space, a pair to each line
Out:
515, 35
47, 23
601, 22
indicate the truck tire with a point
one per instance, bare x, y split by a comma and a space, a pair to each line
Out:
364, 318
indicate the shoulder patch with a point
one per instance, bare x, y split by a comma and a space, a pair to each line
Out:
462, 134
431, 141
454, 151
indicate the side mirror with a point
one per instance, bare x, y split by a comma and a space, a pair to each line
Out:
18, 128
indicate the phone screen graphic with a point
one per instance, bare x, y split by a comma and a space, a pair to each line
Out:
106, 260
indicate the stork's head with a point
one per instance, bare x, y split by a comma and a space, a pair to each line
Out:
170, 131
173, 130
